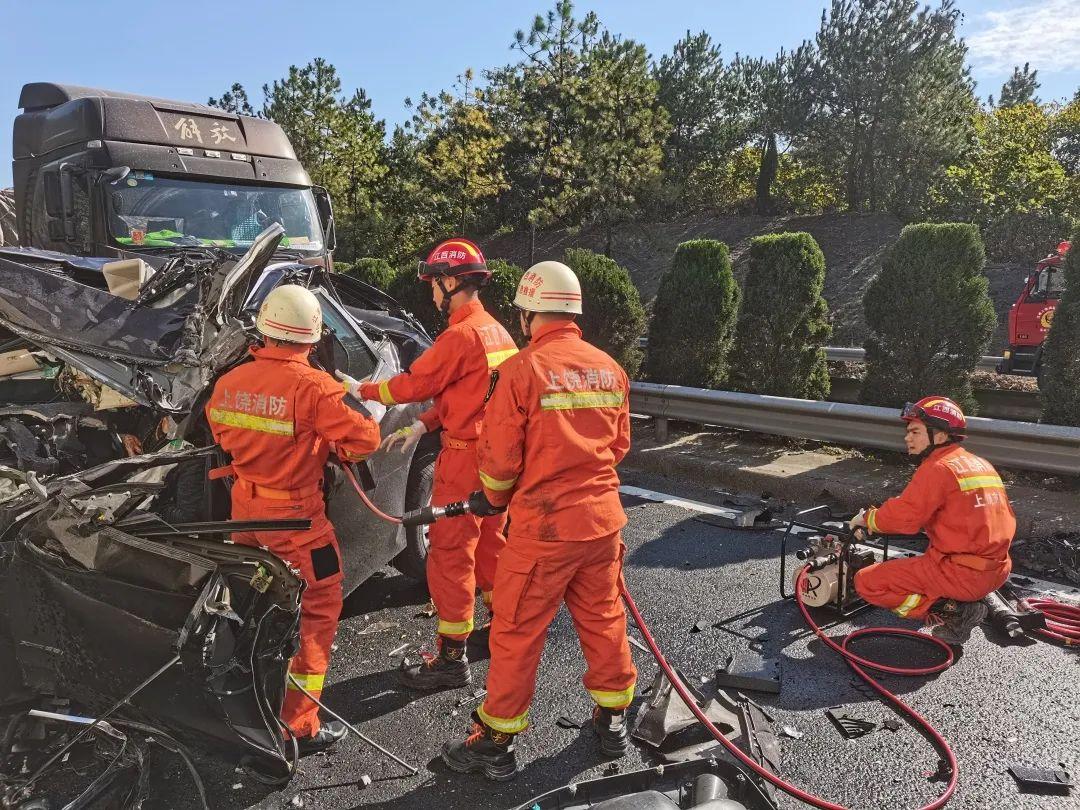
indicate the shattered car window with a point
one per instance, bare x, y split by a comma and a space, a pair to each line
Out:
148, 211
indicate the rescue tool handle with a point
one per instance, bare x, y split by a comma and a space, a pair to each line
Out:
429, 514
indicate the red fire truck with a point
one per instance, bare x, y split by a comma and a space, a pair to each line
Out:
1030, 317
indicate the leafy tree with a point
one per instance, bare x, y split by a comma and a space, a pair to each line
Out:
778, 96
1060, 382
1010, 184
414, 296
621, 133
930, 316
234, 100
1020, 87
458, 157
612, 315
705, 113
694, 315
1065, 137
783, 322
893, 99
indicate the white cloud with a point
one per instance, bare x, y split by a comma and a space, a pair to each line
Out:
1044, 33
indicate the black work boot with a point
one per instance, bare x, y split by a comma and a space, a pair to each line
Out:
484, 751
329, 733
952, 621
610, 727
448, 669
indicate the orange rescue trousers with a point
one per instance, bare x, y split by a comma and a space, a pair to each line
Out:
463, 550
909, 586
316, 555
534, 577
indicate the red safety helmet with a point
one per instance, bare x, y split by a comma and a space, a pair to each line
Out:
454, 257
939, 413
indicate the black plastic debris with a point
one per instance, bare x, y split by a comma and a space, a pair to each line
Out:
848, 724
750, 669
567, 723
1041, 780
474, 696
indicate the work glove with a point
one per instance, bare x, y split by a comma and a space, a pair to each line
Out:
407, 436
480, 506
351, 386
859, 521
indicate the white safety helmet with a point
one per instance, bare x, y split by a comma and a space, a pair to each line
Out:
291, 313
549, 287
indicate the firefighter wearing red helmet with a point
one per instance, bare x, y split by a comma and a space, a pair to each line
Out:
959, 501
458, 372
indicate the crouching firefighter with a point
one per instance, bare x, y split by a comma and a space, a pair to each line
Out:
276, 417
557, 425
958, 499
458, 372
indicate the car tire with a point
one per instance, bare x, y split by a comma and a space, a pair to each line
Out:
412, 560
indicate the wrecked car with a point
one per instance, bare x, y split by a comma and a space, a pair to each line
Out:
113, 557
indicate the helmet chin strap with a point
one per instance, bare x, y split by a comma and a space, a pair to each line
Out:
528, 323
930, 448
463, 284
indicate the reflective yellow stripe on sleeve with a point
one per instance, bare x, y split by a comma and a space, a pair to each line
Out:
385, 397
312, 681
970, 482
571, 400
249, 421
613, 700
496, 358
495, 484
507, 725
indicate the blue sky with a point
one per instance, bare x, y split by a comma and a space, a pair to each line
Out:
196, 49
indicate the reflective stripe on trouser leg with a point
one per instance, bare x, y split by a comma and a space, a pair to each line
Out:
592, 597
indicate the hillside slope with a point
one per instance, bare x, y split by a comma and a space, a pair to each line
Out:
853, 245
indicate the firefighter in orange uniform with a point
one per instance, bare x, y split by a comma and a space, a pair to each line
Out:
557, 425
276, 417
458, 372
958, 499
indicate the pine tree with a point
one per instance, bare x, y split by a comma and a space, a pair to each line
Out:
1020, 87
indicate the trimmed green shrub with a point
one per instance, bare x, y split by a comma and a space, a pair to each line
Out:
694, 314
1060, 380
376, 272
612, 315
498, 295
783, 322
930, 316
414, 296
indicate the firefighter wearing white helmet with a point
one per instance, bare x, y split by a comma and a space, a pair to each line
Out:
549, 288
277, 417
291, 313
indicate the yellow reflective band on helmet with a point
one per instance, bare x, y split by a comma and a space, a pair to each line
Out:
496, 358
455, 628
385, 397
495, 484
613, 700
908, 605
871, 521
970, 482
569, 400
248, 421
512, 725
312, 681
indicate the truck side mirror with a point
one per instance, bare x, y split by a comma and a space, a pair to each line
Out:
114, 175
326, 217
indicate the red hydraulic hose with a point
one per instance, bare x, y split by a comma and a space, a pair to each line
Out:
379, 513
854, 661
1062, 620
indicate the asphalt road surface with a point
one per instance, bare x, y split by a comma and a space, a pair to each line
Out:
998, 705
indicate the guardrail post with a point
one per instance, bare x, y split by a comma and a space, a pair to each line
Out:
661, 429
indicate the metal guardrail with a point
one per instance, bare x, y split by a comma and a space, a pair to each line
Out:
856, 355
1018, 445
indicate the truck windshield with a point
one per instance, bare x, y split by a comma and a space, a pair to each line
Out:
146, 211
1050, 284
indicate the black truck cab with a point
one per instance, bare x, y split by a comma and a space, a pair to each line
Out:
101, 173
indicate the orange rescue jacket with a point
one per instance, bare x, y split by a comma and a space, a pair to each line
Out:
277, 415
958, 499
556, 426
455, 371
